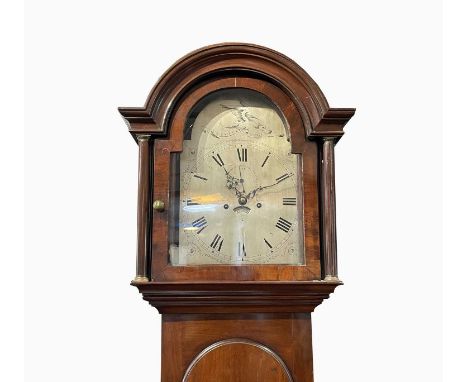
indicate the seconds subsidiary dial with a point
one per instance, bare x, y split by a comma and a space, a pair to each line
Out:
240, 200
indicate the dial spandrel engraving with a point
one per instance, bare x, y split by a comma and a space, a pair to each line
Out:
240, 188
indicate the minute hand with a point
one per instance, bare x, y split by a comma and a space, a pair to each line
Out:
278, 180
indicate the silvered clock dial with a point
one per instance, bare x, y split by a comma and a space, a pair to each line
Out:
238, 186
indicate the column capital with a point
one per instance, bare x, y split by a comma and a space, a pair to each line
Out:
143, 137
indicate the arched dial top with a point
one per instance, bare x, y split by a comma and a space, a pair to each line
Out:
240, 199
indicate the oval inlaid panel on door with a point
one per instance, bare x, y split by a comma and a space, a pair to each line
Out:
237, 360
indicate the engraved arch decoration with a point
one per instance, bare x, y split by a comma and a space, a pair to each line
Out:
257, 356
236, 60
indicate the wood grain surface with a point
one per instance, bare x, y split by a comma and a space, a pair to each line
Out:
285, 338
237, 360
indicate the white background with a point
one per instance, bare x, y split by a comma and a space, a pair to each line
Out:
83, 59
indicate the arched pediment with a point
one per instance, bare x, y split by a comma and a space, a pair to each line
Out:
236, 60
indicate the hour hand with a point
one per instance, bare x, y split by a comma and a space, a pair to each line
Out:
232, 182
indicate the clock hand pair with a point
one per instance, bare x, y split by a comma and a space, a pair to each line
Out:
232, 182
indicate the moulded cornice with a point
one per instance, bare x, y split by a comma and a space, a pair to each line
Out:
236, 60
246, 297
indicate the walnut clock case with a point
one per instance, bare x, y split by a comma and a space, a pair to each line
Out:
236, 213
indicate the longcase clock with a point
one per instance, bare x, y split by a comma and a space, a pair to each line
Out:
236, 213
